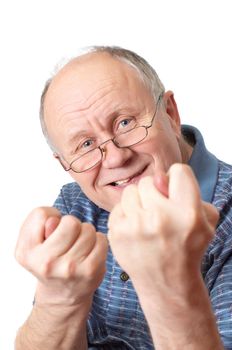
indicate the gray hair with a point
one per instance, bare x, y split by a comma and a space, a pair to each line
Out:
145, 70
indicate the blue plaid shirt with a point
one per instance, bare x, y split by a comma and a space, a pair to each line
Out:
116, 320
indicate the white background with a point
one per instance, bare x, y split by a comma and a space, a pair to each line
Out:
188, 43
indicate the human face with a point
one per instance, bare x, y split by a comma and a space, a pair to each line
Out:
91, 98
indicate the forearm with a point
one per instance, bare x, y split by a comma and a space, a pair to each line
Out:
54, 328
182, 323
68, 259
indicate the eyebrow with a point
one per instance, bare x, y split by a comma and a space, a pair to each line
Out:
75, 136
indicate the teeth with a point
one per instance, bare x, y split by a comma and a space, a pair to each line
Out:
121, 182
118, 183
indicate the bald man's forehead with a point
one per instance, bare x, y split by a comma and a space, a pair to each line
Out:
90, 97
89, 71
92, 65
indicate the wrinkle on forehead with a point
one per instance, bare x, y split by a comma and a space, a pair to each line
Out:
88, 70
85, 109
81, 102
83, 84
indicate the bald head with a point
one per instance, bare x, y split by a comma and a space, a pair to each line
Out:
93, 63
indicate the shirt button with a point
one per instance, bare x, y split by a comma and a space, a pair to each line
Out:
124, 276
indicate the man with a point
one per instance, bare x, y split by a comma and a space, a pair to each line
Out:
117, 132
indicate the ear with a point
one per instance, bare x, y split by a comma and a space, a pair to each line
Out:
65, 167
172, 111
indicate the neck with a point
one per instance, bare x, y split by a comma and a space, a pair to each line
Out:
186, 150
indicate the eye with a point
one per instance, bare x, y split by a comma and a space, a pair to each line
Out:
87, 144
127, 123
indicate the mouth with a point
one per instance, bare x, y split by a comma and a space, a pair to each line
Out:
130, 180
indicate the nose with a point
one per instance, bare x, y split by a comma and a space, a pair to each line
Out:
114, 157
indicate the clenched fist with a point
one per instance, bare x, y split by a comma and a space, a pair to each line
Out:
159, 236
67, 256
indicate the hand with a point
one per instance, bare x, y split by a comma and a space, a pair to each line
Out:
159, 236
67, 256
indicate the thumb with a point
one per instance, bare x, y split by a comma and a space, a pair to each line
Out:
161, 182
183, 187
50, 225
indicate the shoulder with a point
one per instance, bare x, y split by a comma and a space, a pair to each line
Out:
221, 246
223, 190
219, 252
73, 201
223, 201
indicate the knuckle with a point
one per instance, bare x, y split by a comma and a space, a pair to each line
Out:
158, 226
198, 231
39, 212
215, 215
87, 227
153, 225
36, 218
89, 237
72, 222
193, 218
21, 253
45, 211
45, 268
136, 225
91, 270
69, 269
102, 240
20, 256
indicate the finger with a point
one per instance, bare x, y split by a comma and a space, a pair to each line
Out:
161, 182
89, 266
84, 243
95, 264
63, 237
211, 214
183, 186
99, 252
149, 195
33, 228
115, 215
130, 201
50, 225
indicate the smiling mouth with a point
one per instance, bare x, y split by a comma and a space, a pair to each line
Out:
131, 179
121, 182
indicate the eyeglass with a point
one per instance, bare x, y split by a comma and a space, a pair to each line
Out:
125, 139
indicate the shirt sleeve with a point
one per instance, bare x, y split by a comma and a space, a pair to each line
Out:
60, 203
72, 201
219, 282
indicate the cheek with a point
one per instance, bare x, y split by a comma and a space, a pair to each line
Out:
164, 149
104, 197
88, 184
169, 153
84, 180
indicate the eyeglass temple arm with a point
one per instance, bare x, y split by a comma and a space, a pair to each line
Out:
59, 159
157, 104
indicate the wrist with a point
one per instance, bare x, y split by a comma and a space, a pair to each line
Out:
186, 316
172, 304
179, 287
55, 326
60, 297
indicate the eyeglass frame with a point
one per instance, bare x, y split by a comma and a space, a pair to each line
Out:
102, 150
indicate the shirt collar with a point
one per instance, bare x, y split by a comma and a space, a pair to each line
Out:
203, 163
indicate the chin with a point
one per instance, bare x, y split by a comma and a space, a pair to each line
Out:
110, 206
